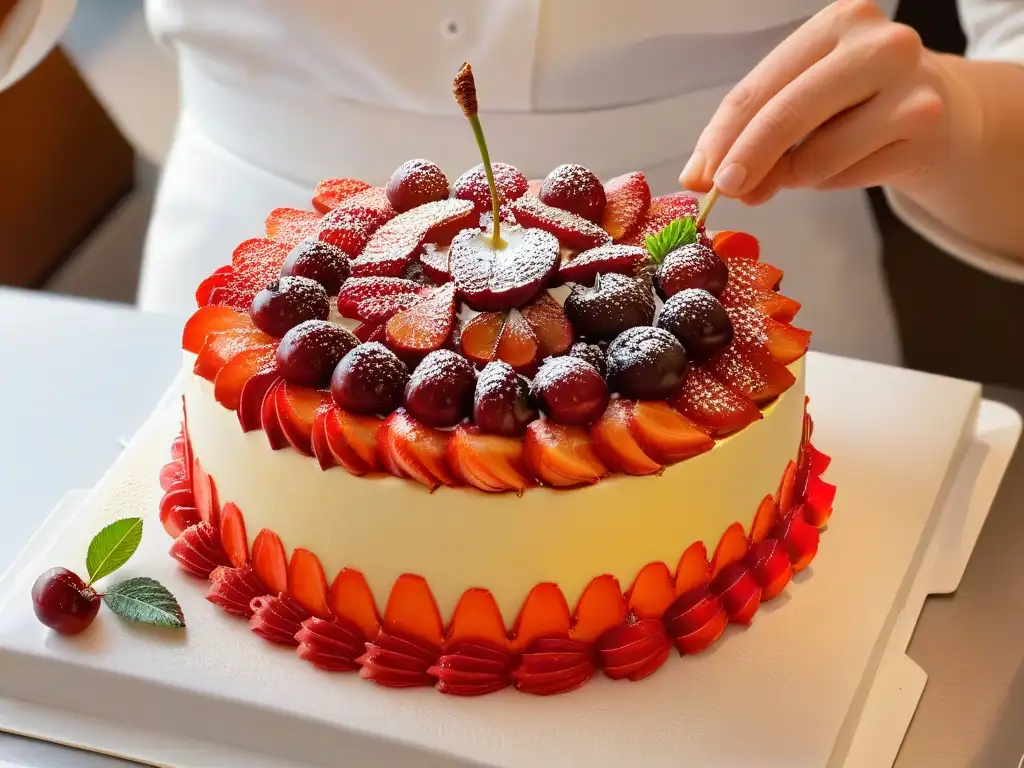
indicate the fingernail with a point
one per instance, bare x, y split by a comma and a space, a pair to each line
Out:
730, 179
693, 169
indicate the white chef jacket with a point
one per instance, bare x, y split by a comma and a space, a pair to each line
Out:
276, 96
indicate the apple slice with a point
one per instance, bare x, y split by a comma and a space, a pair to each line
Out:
561, 456
489, 462
426, 326
233, 375
615, 444
572, 231
583, 268
330, 193
550, 324
712, 406
415, 451
291, 225
212, 319
628, 198
296, 412
664, 434
221, 346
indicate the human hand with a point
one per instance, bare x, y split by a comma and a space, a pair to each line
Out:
850, 99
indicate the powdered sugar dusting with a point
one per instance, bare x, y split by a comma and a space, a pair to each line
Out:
712, 404
571, 230
523, 268
749, 325
307, 297
472, 185
443, 367
620, 259
639, 346
423, 178
380, 309
330, 193
662, 212
291, 225
496, 380
425, 326
392, 247
322, 339
566, 372
255, 263
348, 230
627, 199
357, 289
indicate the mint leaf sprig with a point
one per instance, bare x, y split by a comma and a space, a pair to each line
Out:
677, 233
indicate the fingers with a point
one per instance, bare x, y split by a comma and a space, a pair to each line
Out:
897, 160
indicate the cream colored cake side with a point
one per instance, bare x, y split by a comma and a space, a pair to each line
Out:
458, 538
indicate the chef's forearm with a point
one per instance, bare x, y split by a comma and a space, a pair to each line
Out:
974, 186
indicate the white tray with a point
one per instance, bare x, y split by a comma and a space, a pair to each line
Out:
820, 679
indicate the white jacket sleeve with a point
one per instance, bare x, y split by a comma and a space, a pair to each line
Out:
995, 32
29, 33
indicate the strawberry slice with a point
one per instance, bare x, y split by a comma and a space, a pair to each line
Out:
616, 445
349, 230
664, 434
785, 342
479, 337
353, 440
434, 261
231, 378
489, 462
758, 274
500, 336
250, 399
205, 291
751, 372
318, 440
628, 198
426, 326
379, 309
415, 450
712, 406
307, 584
291, 225
330, 193
773, 304
585, 267
372, 202
571, 230
662, 212
392, 248
561, 456
549, 323
736, 245
255, 263
269, 561
221, 346
296, 412
269, 419
211, 319
356, 290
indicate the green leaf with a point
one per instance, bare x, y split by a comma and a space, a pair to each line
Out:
111, 547
676, 233
145, 600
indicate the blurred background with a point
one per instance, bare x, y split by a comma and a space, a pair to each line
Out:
99, 114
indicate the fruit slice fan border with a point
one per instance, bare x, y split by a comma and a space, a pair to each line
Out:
549, 650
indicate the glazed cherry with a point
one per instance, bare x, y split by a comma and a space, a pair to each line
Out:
440, 391
288, 301
309, 352
695, 265
501, 401
63, 602
323, 262
415, 183
472, 185
647, 363
575, 189
369, 379
613, 304
570, 391
699, 321
592, 353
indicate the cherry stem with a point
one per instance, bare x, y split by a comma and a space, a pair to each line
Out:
478, 132
709, 202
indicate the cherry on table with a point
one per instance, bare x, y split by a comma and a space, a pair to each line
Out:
318, 260
288, 301
309, 352
63, 602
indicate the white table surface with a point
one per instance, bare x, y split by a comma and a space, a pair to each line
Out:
80, 376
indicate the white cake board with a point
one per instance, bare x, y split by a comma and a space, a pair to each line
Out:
820, 679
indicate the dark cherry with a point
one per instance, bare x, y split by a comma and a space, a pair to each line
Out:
575, 189
309, 352
63, 602
592, 353
288, 301
323, 262
415, 183
647, 363
501, 401
440, 391
472, 185
570, 391
699, 321
613, 304
369, 379
695, 265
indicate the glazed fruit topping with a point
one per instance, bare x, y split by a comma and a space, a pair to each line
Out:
63, 602
501, 401
472, 185
493, 464
561, 456
501, 336
320, 261
575, 189
614, 441
440, 390
646, 363
570, 391
349, 229
614, 304
434, 263
752, 372
427, 325
585, 267
591, 353
628, 198
415, 183
572, 231
330, 193
411, 449
360, 289
290, 225
694, 265
369, 379
547, 319
490, 279
712, 406
254, 264
309, 352
699, 321
393, 247
288, 301
662, 212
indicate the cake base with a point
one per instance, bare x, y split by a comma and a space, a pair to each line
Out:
821, 678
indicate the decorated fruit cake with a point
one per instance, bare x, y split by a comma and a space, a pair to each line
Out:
496, 432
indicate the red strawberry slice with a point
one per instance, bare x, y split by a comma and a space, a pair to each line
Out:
426, 326
585, 267
207, 320
234, 589
561, 456
291, 225
415, 450
296, 412
372, 202
353, 441
434, 260
665, 435
393, 247
231, 378
355, 290
198, 550
616, 445
205, 292
379, 309
489, 462
500, 336
712, 406
255, 263
786, 343
307, 584
221, 346
773, 304
751, 372
736, 245
269, 420
662, 212
330, 193
549, 323
758, 274
571, 230
250, 400
349, 230
628, 197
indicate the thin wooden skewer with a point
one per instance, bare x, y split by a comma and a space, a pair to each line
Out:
709, 202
